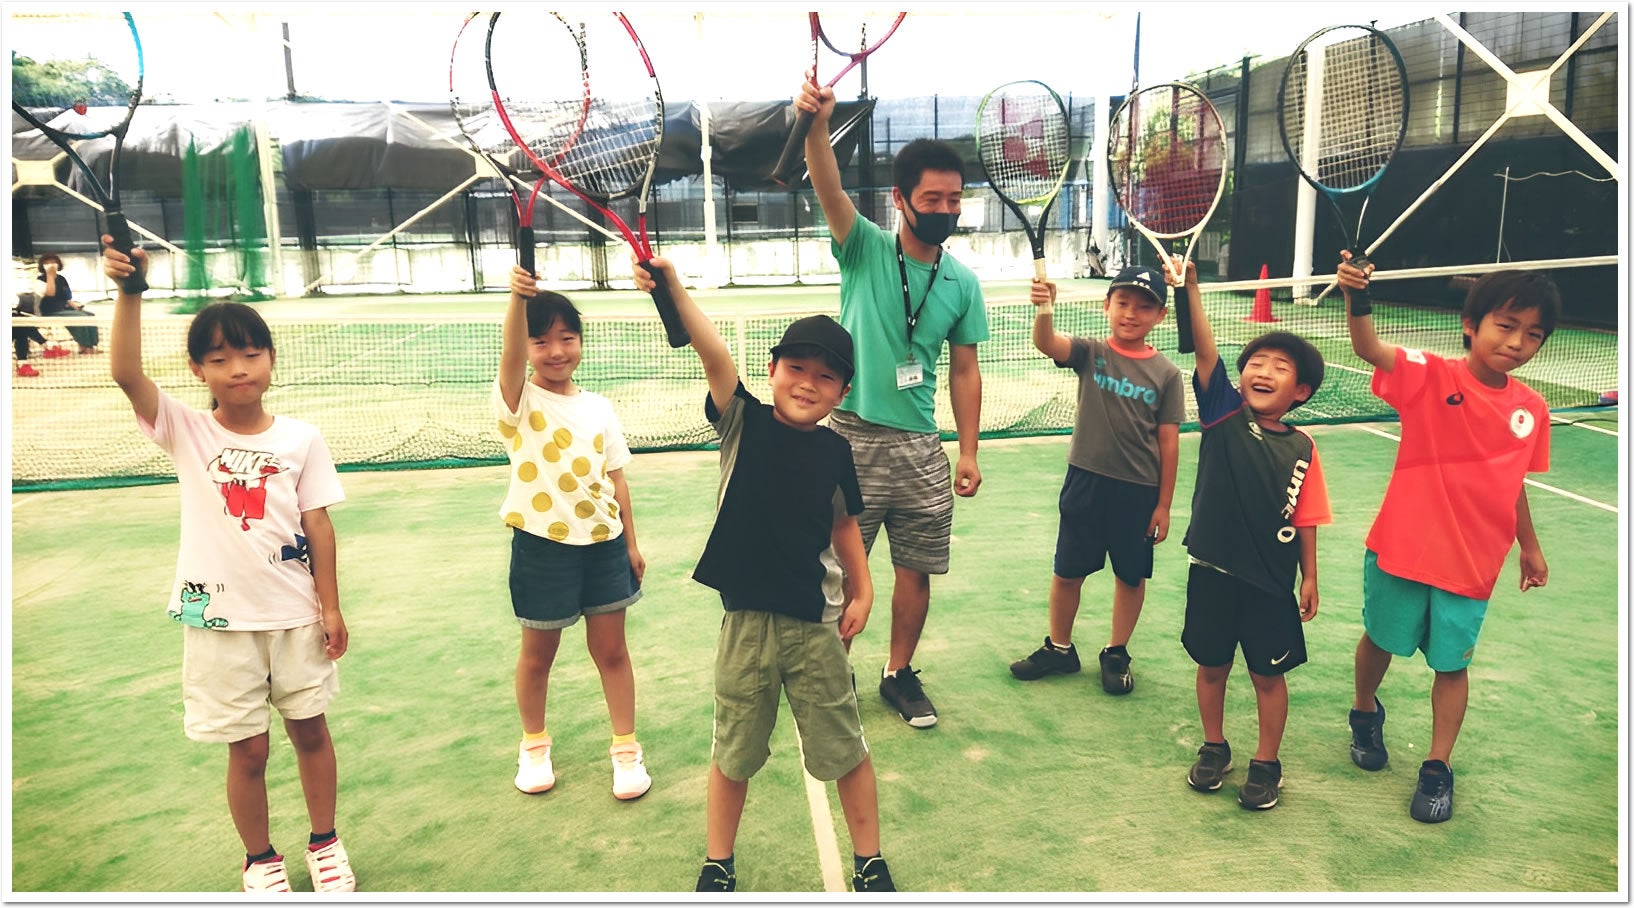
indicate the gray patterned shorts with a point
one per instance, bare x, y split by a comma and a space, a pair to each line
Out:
907, 486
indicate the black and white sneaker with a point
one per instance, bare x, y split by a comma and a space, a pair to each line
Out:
1115, 676
907, 696
716, 878
1367, 738
873, 877
1208, 773
1432, 800
1264, 782
1046, 660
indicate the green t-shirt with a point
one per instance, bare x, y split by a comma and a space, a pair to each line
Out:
871, 309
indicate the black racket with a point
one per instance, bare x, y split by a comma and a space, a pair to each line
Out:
1025, 143
1342, 109
77, 77
851, 34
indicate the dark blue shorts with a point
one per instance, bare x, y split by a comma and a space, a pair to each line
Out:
553, 583
1101, 516
1223, 612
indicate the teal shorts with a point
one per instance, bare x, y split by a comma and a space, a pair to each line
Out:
1405, 616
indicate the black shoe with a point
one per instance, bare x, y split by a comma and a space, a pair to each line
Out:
1213, 762
1260, 791
1115, 676
1367, 738
873, 877
1432, 801
907, 696
715, 878
1046, 660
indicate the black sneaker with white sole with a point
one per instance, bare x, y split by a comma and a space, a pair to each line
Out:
1046, 660
1367, 738
873, 877
1432, 800
1208, 773
1115, 675
907, 696
1263, 785
716, 878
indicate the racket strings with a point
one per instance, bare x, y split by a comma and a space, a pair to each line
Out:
1168, 177
1362, 104
1025, 144
611, 155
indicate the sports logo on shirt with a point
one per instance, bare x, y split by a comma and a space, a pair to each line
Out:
1522, 422
242, 476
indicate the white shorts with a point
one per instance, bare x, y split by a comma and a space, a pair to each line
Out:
232, 679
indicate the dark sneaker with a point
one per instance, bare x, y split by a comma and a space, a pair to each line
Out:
907, 696
1367, 738
1115, 677
715, 878
1432, 802
1260, 791
1213, 762
873, 877
1046, 660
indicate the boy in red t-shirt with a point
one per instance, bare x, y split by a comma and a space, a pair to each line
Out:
1469, 435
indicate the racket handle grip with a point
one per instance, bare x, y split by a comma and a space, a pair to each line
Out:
674, 330
1361, 303
794, 150
1182, 319
524, 249
119, 229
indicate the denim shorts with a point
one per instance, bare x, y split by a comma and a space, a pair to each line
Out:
553, 583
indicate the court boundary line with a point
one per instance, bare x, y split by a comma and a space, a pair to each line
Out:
1531, 482
822, 823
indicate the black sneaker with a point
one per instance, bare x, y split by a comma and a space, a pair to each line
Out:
715, 878
1213, 762
1046, 660
873, 877
1115, 677
1432, 801
907, 696
1260, 791
1367, 738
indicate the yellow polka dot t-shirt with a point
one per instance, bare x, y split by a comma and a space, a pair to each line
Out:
561, 449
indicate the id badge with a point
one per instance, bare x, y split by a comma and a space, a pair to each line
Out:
909, 374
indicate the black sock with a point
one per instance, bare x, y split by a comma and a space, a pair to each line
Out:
1119, 649
858, 861
726, 863
321, 838
1435, 766
1218, 744
269, 854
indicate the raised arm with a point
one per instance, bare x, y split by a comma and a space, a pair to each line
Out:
716, 357
1363, 339
513, 341
125, 343
1050, 342
838, 209
1204, 353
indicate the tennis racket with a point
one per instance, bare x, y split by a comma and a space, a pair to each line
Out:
1342, 110
839, 31
1167, 163
1025, 143
602, 153
77, 77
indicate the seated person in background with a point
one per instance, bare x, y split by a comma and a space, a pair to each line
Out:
27, 306
56, 300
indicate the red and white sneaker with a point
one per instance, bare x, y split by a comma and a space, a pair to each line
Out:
24, 370
266, 876
533, 770
331, 870
55, 352
630, 779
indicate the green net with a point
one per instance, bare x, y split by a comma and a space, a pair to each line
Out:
393, 393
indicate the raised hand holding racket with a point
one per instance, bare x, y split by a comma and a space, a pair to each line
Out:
1342, 111
852, 35
77, 77
1167, 162
1025, 142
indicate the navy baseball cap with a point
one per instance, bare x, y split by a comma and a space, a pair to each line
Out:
1147, 279
825, 334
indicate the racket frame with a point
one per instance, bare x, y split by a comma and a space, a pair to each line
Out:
794, 148
1035, 235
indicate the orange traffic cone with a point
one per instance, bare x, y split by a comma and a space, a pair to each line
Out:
1262, 299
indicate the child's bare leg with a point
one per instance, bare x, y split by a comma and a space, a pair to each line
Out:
1211, 691
1065, 595
1448, 698
1271, 696
315, 756
247, 791
1371, 664
724, 812
533, 676
1126, 604
604, 635
859, 799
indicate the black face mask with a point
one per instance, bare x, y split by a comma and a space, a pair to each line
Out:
930, 227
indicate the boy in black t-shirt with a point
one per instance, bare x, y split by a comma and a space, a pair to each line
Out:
1258, 500
784, 546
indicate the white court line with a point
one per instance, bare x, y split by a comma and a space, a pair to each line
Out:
1531, 482
1583, 425
822, 824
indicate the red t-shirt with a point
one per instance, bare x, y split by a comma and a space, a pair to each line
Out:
1448, 518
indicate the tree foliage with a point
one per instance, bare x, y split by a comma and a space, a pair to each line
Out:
63, 83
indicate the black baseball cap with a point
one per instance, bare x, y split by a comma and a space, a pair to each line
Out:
825, 334
1147, 279
1308, 365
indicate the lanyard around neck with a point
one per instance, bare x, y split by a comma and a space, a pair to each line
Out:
908, 309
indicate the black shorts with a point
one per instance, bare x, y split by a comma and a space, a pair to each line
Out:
1223, 612
1101, 516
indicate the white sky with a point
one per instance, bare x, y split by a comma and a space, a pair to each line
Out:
747, 51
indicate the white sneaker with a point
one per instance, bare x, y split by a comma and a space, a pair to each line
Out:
266, 876
533, 771
331, 870
630, 779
